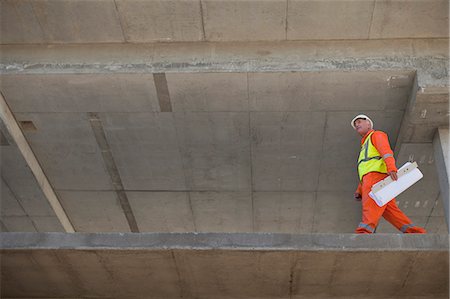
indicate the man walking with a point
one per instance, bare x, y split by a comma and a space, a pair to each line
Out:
376, 162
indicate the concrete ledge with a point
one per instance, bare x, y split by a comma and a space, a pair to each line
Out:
428, 57
223, 266
225, 241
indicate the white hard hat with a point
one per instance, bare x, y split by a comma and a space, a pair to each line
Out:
363, 116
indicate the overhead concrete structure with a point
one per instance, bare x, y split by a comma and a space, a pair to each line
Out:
222, 266
219, 117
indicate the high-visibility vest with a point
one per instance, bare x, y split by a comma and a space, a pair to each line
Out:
370, 159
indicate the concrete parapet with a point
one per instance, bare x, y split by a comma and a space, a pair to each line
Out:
169, 265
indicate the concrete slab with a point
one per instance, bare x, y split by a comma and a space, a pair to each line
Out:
284, 150
426, 56
224, 265
9, 206
19, 23
283, 212
336, 212
47, 224
264, 20
311, 19
80, 93
210, 274
441, 148
419, 200
161, 21
399, 20
193, 92
162, 211
18, 224
145, 149
22, 184
215, 150
357, 91
430, 109
222, 211
64, 141
78, 21
94, 211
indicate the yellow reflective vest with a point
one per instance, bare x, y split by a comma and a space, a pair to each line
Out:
370, 159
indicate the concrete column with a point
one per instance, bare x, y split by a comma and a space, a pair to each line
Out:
441, 154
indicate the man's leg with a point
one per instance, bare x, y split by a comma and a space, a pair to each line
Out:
371, 212
397, 218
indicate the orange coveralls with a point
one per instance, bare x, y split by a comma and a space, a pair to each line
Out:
371, 212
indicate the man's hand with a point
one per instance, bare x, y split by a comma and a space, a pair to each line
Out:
393, 175
357, 196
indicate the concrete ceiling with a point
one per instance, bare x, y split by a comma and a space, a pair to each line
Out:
231, 152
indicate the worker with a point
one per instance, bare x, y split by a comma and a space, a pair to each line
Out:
376, 162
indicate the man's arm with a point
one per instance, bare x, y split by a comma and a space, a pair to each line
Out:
358, 192
381, 142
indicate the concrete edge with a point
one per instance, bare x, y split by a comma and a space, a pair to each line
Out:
224, 241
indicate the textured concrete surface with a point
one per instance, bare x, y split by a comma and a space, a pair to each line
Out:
223, 266
264, 152
100, 21
217, 116
426, 56
441, 151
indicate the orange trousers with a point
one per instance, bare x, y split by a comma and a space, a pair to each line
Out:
371, 212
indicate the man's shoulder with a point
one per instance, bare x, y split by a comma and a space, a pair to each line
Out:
379, 133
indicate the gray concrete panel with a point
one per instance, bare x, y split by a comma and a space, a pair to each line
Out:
356, 91
280, 92
145, 149
441, 148
18, 224
9, 206
47, 224
19, 24
67, 151
222, 211
208, 91
420, 199
215, 150
427, 56
223, 266
66, 21
283, 212
341, 147
162, 211
94, 211
399, 19
430, 109
22, 183
258, 20
80, 93
210, 274
328, 19
161, 21
336, 212
284, 150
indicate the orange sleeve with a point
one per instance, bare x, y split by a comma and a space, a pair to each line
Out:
381, 142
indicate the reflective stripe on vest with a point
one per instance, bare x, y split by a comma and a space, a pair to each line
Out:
370, 159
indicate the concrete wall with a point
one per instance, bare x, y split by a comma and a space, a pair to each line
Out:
223, 266
135, 21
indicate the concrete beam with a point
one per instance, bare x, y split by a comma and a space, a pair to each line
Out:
213, 266
14, 130
428, 57
224, 241
441, 154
